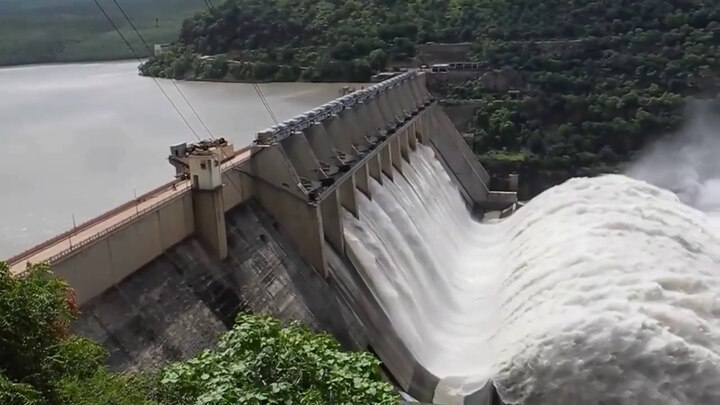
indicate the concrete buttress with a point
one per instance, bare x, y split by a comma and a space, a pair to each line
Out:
362, 178
340, 138
209, 213
374, 168
298, 150
321, 143
332, 221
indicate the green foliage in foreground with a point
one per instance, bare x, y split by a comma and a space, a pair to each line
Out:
257, 362
41, 362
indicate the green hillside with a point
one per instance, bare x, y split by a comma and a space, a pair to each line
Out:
313, 40
569, 84
40, 31
598, 84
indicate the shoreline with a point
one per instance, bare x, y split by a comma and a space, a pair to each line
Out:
79, 62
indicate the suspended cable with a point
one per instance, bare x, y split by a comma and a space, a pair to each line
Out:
182, 94
147, 46
263, 100
175, 107
259, 92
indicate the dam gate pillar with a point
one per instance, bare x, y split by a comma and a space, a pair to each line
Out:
208, 207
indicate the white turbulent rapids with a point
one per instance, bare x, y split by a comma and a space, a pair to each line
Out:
598, 291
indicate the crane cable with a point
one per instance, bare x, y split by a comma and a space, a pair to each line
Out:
265, 103
155, 80
182, 94
175, 107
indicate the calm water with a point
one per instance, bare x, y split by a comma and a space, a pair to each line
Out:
80, 139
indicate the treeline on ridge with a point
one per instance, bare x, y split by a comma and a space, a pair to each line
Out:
566, 85
328, 40
596, 86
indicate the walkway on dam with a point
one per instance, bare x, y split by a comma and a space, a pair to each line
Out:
109, 221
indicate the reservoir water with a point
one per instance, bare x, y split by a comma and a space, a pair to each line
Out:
79, 139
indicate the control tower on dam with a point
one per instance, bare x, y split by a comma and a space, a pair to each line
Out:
261, 229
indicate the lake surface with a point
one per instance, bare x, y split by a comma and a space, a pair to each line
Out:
79, 139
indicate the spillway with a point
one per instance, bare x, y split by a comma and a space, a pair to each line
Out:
603, 290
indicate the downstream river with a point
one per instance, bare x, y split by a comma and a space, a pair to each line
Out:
79, 139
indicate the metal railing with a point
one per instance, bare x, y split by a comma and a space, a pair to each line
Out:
74, 247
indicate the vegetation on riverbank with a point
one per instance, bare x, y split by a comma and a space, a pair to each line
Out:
327, 40
595, 87
257, 362
587, 91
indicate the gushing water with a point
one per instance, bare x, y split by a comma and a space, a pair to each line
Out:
598, 291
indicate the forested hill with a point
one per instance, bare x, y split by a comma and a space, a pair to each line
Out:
595, 86
568, 84
318, 40
42, 31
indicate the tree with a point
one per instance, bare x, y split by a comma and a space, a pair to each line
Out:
536, 144
260, 362
378, 59
403, 48
343, 51
257, 362
39, 356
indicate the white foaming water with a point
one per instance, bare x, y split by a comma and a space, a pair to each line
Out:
598, 291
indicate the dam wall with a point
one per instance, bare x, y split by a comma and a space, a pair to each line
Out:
261, 231
177, 304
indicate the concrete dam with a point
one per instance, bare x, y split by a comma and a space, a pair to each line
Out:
281, 228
